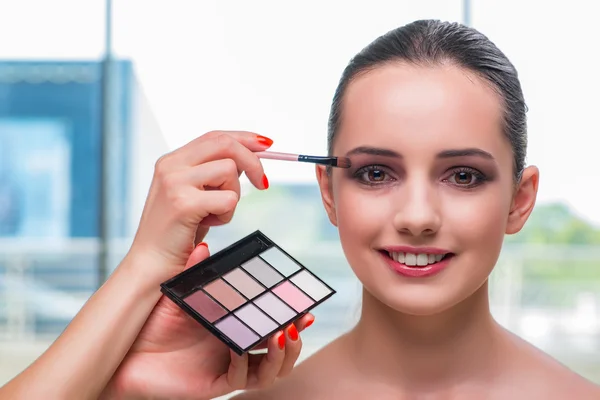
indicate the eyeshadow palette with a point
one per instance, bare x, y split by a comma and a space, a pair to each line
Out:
247, 291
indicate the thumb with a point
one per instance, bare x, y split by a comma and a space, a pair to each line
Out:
200, 253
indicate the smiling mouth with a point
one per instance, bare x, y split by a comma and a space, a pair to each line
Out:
416, 260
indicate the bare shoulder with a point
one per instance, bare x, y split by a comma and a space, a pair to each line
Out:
307, 380
561, 382
559, 379
545, 377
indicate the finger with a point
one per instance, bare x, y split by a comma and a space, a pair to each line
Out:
270, 363
225, 146
199, 253
237, 374
201, 232
292, 350
176, 159
251, 140
181, 156
304, 322
191, 205
181, 187
214, 175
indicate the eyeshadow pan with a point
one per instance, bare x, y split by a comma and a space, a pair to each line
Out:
241, 298
205, 306
237, 331
293, 296
244, 283
262, 271
310, 285
280, 261
276, 308
224, 294
256, 319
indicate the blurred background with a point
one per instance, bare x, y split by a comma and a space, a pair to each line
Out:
93, 92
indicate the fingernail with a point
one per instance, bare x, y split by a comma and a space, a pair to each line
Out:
310, 322
265, 182
265, 141
202, 244
281, 340
293, 332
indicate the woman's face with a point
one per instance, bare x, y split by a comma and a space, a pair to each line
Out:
431, 177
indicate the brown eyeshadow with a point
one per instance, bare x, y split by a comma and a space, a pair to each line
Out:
224, 294
205, 306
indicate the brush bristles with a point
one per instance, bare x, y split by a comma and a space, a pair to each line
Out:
343, 162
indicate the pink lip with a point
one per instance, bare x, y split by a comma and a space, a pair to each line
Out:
417, 271
415, 250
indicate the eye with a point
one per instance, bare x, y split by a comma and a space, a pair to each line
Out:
466, 177
372, 175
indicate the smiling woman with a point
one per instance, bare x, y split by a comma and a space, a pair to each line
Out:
433, 119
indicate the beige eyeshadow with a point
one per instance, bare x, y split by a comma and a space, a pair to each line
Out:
244, 283
224, 294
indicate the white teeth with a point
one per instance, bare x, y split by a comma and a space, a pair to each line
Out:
401, 258
412, 260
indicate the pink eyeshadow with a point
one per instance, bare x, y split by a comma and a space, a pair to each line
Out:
293, 296
205, 306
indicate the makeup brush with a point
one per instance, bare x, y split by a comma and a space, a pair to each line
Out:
339, 162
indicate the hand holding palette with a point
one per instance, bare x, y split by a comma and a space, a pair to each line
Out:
246, 292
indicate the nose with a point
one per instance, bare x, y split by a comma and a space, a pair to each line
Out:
418, 210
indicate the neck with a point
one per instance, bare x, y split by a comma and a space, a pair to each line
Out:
418, 352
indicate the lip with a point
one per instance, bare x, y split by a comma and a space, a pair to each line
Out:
416, 271
415, 250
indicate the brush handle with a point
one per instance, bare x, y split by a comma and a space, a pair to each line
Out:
272, 155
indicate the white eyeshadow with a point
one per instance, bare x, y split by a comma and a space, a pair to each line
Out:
310, 285
280, 261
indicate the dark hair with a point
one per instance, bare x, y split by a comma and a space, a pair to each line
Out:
430, 42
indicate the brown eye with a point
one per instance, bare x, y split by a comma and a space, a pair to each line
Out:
376, 175
373, 175
464, 178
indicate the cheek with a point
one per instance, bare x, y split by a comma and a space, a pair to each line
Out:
358, 210
478, 220
360, 217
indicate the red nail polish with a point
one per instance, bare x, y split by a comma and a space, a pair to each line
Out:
310, 322
202, 244
265, 182
265, 141
281, 341
293, 332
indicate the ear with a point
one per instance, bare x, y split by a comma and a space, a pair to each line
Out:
523, 200
324, 180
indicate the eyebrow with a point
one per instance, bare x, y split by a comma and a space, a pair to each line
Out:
470, 152
374, 151
453, 153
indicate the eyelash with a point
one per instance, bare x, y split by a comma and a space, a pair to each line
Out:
366, 169
479, 176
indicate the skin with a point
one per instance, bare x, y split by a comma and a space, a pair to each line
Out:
128, 341
426, 338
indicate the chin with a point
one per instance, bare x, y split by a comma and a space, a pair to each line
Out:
421, 297
416, 302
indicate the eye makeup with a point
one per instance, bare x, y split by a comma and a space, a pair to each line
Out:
246, 292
